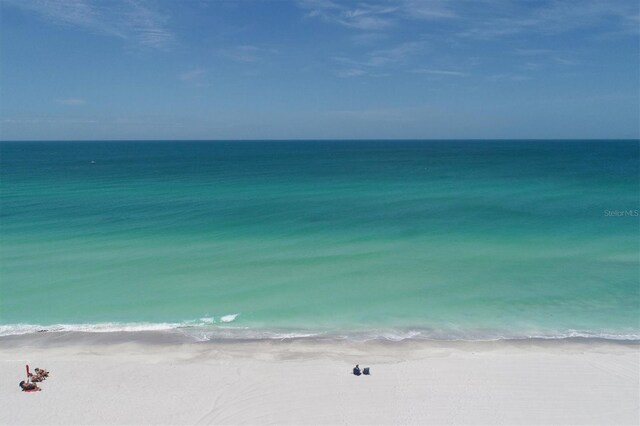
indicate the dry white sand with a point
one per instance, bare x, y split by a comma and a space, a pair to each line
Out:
303, 382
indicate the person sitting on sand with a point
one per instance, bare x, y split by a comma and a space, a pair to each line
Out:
42, 373
29, 387
39, 376
356, 370
35, 378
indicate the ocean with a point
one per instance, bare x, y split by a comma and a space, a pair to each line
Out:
471, 240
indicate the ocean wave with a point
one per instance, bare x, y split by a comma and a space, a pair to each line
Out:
211, 328
107, 327
229, 318
110, 327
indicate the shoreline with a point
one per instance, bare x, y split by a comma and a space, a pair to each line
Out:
174, 337
107, 378
133, 332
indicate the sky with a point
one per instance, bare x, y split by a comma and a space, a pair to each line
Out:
319, 69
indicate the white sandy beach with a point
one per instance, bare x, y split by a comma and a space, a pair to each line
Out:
302, 382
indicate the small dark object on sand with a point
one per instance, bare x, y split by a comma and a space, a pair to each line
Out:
366, 371
356, 370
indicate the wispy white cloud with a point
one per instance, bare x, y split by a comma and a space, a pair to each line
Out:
136, 21
191, 75
377, 115
196, 77
533, 52
542, 58
432, 9
351, 72
509, 77
385, 57
564, 61
375, 16
449, 73
45, 120
71, 101
395, 54
354, 15
552, 17
481, 19
532, 66
367, 39
247, 53
462, 23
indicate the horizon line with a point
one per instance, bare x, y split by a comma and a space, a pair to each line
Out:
319, 139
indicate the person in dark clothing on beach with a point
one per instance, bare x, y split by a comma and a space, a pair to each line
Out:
356, 370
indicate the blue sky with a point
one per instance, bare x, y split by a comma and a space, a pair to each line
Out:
134, 69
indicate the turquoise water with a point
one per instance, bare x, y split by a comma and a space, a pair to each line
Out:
437, 239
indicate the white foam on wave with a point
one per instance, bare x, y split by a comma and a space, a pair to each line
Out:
110, 327
569, 334
17, 329
106, 327
229, 318
243, 333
